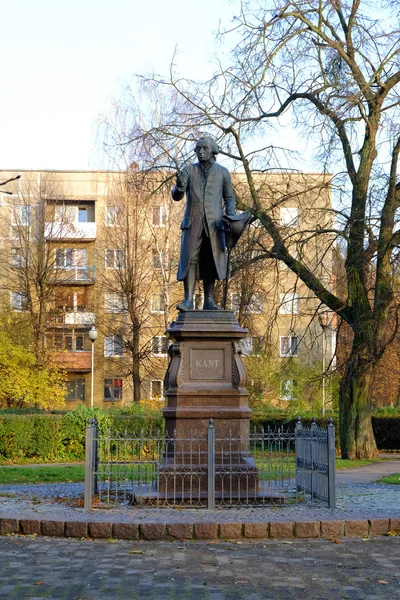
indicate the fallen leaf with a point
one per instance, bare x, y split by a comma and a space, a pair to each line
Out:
39, 582
335, 540
135, 552
383, 581
392, 533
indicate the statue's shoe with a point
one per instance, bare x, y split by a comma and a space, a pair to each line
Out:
185, 305
209, 304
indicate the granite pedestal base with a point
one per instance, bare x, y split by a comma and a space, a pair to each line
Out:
206, 379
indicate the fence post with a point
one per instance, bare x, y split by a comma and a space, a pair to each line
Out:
211, 465
314, 428
95, 454
331, 465
298, 451
88, 494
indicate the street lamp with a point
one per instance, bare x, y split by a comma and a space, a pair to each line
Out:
323, 319
92, 337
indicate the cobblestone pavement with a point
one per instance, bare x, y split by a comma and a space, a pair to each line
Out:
65, 569
52, 501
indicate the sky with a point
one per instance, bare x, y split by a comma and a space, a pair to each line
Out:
64, 60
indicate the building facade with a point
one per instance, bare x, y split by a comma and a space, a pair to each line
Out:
101, 248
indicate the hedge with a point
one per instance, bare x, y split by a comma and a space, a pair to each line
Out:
39, 437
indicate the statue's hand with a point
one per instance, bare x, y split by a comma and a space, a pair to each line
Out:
182, 180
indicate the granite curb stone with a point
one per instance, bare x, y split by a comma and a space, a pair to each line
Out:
203, 531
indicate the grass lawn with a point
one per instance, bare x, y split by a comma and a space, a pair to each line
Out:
42, 474
69, 474
394, 479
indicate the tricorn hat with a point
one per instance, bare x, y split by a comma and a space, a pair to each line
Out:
235, 226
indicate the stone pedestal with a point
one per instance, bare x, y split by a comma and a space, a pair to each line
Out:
206, 378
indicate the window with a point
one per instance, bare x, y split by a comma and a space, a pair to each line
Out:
113, 346
75, 390
64, 257
288, 346
114, 259
112, 390
72, 342
65, 213
251, 345
288, 389
159, 216
254, 306
159, 345
86, 214
19, 257
289, 217
112, 215
19, 301
157, 303
21, 215
289, 304
113, 303
157, 258
156, 389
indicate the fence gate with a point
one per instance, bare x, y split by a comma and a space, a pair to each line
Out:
315, 462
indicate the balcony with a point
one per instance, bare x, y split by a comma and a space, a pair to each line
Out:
60, 230
82, 318
80, 362
75, 276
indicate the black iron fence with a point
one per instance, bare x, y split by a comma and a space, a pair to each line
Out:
266, 467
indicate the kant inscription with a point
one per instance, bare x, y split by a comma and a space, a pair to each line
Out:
207, 363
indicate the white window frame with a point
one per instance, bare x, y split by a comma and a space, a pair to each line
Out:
111, 215
295, 254
248, 345
288, 346
157, 345
20, 221
18, 301
289, 303
161, 214
118, 258
155, 397
19, 258
113, 347
289, 216
153, 304
287, 390
113, 303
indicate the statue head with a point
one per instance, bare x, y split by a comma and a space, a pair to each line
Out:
206, 149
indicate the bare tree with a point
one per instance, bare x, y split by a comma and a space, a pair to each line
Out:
334, 68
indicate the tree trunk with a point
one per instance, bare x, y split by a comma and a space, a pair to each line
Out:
357, 438
136, 365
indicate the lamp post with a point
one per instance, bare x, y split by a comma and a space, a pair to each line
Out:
93, 337
324, 322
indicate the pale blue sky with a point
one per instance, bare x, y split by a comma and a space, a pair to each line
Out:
62, 60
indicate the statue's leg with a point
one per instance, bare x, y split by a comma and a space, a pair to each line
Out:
188, 285
209, 302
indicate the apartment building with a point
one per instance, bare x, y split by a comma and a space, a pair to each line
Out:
100, 248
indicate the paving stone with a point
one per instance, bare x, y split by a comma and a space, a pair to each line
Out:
77, 529
29, 526
332, 529
356, 528
205, 531
378, 526
180, 531
307, 529
100, 530
281, 530
230, 531
54, 528
126, 531
256, 530
9, 526
152, 531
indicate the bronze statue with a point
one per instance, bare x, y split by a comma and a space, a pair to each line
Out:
207, 185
